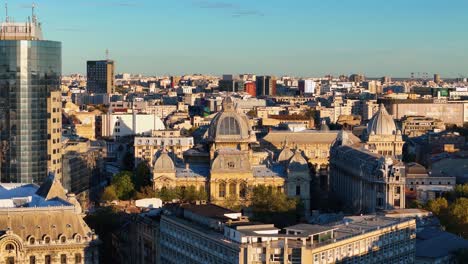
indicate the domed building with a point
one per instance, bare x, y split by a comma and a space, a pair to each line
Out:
383, 137
233, 166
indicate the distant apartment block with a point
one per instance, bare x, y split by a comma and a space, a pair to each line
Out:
119, 125
100, 76
146, 148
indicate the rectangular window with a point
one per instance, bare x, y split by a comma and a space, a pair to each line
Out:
48, 259
298, 190
63, 259
32, 260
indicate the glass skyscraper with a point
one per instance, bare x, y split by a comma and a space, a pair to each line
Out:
30, 68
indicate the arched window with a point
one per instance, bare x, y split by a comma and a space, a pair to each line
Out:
9, 247
233, 189
229, 126
47, 240
32, 240
222, 190
243, 190
78, 238
63, 239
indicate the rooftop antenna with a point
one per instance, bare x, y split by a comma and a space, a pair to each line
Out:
7, 19
107, 54
33, 7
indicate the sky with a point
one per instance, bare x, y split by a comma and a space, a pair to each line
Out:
281, 37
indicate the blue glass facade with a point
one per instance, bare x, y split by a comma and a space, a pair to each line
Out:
29, 71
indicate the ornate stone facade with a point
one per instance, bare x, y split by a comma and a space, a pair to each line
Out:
363, 180
234, 166
43, 226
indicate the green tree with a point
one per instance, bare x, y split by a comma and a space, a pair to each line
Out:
273, 206
122, 182
109, 194
141, 177
167, 194
231, 202
145, 192
457, 220
437, 206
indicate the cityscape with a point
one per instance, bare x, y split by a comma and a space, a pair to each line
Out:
104, 160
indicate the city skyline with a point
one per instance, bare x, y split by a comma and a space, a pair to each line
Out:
301, 38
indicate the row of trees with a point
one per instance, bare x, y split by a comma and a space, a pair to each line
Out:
452, 210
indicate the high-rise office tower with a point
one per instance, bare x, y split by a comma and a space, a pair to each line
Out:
100, 76
30, 70
266, 85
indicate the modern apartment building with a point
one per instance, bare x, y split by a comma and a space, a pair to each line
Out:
100, 76
212, 234
266, 85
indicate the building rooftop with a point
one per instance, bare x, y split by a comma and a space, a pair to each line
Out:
302, 137
211, 211
17, 195
193, 171
434, 243
264, 171
356, 225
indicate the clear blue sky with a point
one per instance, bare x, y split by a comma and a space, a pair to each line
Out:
296, 37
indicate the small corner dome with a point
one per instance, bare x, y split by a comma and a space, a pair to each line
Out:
298, 163
381, 123
164, 163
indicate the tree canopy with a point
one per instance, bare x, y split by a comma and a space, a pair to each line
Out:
271, 205
124, 187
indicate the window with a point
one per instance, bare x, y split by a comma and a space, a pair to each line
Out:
77, 258
63, 239
32, 260
63, 259
298, 190
243, 190
222, 190
47, 240
231, 165
10, 260
232, 189
9, 247
32, 240
48, 259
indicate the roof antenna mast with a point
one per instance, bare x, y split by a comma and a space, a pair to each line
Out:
107, 54
33, 7
7, 19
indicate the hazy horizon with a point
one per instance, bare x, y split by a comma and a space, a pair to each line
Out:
297, 38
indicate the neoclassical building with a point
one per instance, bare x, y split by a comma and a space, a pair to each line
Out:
43, 225
383, 137
234, 163
368, 176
